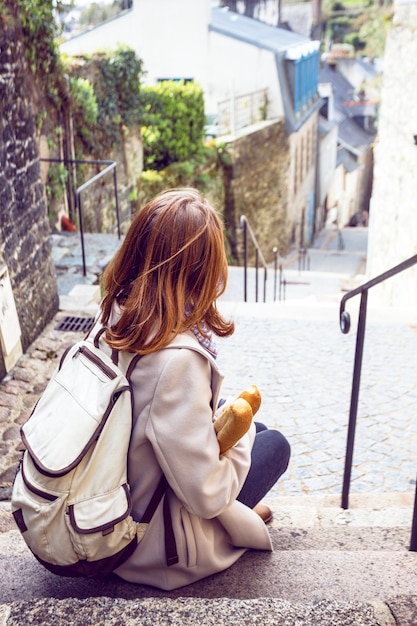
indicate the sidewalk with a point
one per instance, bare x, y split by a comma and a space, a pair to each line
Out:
329, 567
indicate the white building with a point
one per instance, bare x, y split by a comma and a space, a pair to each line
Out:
229, 55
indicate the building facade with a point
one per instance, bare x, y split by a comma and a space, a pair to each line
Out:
393, 215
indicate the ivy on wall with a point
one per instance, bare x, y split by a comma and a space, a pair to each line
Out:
106, 98
102, 99
40, 30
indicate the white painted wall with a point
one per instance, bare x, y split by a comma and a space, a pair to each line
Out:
243, 68
342, 193
169, 36
327, 155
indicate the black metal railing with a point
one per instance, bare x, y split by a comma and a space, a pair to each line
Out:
279, 278
280, 282
303, 259
360, 337
247, 230
110, 167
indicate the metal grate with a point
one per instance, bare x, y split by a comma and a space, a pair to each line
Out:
78, 324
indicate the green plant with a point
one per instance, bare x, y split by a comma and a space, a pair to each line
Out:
40, 30
40, 118
263, 109
173, 123
372, 27
223, 154
362, 24
84, 106
204, 172
55, 185
106, 97
84, 99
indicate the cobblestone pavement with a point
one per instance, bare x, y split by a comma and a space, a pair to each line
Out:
303, 366
304, 369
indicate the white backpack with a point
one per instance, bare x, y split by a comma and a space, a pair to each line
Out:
71, 498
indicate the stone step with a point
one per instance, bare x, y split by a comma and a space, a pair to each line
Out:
329, 566
367, 510
113, 611
290, 587
305, 566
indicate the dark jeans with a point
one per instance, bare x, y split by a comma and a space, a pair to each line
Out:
270, 457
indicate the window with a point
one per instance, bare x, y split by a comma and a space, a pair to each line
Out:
303, 74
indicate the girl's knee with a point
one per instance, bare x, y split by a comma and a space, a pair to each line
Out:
281, 444
273, 444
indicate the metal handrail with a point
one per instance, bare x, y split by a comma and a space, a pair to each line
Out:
278, 270
302, 257
344, 320
244, 224
111, 166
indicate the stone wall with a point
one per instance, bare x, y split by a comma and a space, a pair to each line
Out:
301, 184
256, 186
393, 214
24, 228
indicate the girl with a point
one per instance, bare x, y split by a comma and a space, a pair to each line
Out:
161, 291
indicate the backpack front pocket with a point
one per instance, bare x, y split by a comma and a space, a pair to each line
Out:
104, 515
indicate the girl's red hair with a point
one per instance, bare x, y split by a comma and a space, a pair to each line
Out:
172, 260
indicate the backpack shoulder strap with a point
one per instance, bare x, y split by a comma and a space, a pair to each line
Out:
130, 359
171, 554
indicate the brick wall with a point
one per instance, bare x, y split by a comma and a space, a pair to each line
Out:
24, 227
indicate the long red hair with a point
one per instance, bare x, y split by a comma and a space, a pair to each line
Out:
172, 260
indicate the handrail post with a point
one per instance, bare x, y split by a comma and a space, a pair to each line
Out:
110, 165
80, 219
245, 259
117, 200
275, 251
360, 337
345, 327
258, 256
280, 282
413, 540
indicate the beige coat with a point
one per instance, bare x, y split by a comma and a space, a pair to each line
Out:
174, 390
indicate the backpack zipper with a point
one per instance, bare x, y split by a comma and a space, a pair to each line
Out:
98, 362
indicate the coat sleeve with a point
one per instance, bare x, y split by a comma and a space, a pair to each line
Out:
180, 430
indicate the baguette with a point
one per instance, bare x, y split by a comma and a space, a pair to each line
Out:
233, 423
252, 395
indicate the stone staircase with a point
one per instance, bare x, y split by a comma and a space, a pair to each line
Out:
329, 567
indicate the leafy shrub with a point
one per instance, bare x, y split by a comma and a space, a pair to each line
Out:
84, 105
204, 172
173, 123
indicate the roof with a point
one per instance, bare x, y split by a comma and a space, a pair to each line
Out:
343, 90
285, 45
344, 94
371, 69
353, 137
256, 33
345, 158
